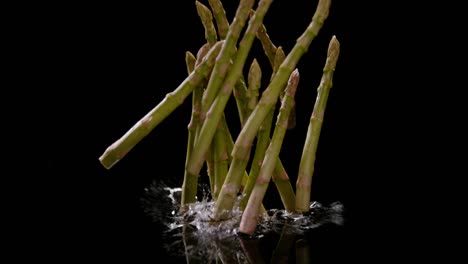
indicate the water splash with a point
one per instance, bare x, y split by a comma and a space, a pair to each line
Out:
196, 236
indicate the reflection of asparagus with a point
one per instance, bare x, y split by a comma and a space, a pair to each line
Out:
306, 167
207, 20
281, 253
250, 215
216, 111
251, 249
121, 147
269, 97
220, 17
302, 252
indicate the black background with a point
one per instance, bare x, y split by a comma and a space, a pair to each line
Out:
107, 65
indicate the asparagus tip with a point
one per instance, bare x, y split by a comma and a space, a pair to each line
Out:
333, 53
294, 78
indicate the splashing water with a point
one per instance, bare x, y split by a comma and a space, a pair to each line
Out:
196, 236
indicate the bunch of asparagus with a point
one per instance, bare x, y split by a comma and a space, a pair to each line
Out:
214, 74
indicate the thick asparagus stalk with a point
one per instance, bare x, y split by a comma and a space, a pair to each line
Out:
122, 146
267, 101
220, 17
306, 167
216, 111
225, 55
250, 215
207, 20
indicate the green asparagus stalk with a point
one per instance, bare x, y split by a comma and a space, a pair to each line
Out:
241, 95
252, 250
224, 58
220, 17
263, 140
268, 47
255, 79
267, 101
216, 111
190, 183
306, 167
221, 160
190, 61
206, 18
283, 185
122, 146
250, 215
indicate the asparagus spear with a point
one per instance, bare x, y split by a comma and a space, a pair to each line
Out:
268, 47
122, 146
189, 185
269, 97
216, 111
220, 17
225, 55
263, 140
306, 167
190, 61
250, 215
206, 18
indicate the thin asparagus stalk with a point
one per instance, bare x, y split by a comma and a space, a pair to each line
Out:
250, 216
206, 18
240, 89
263, 140
122, 146
190, 183
199, 93
220, 17
190, 61
306, 167
241, 95
255, 79
283, 185
216, 111
221, 160
268, 47
227, 52
267, 101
